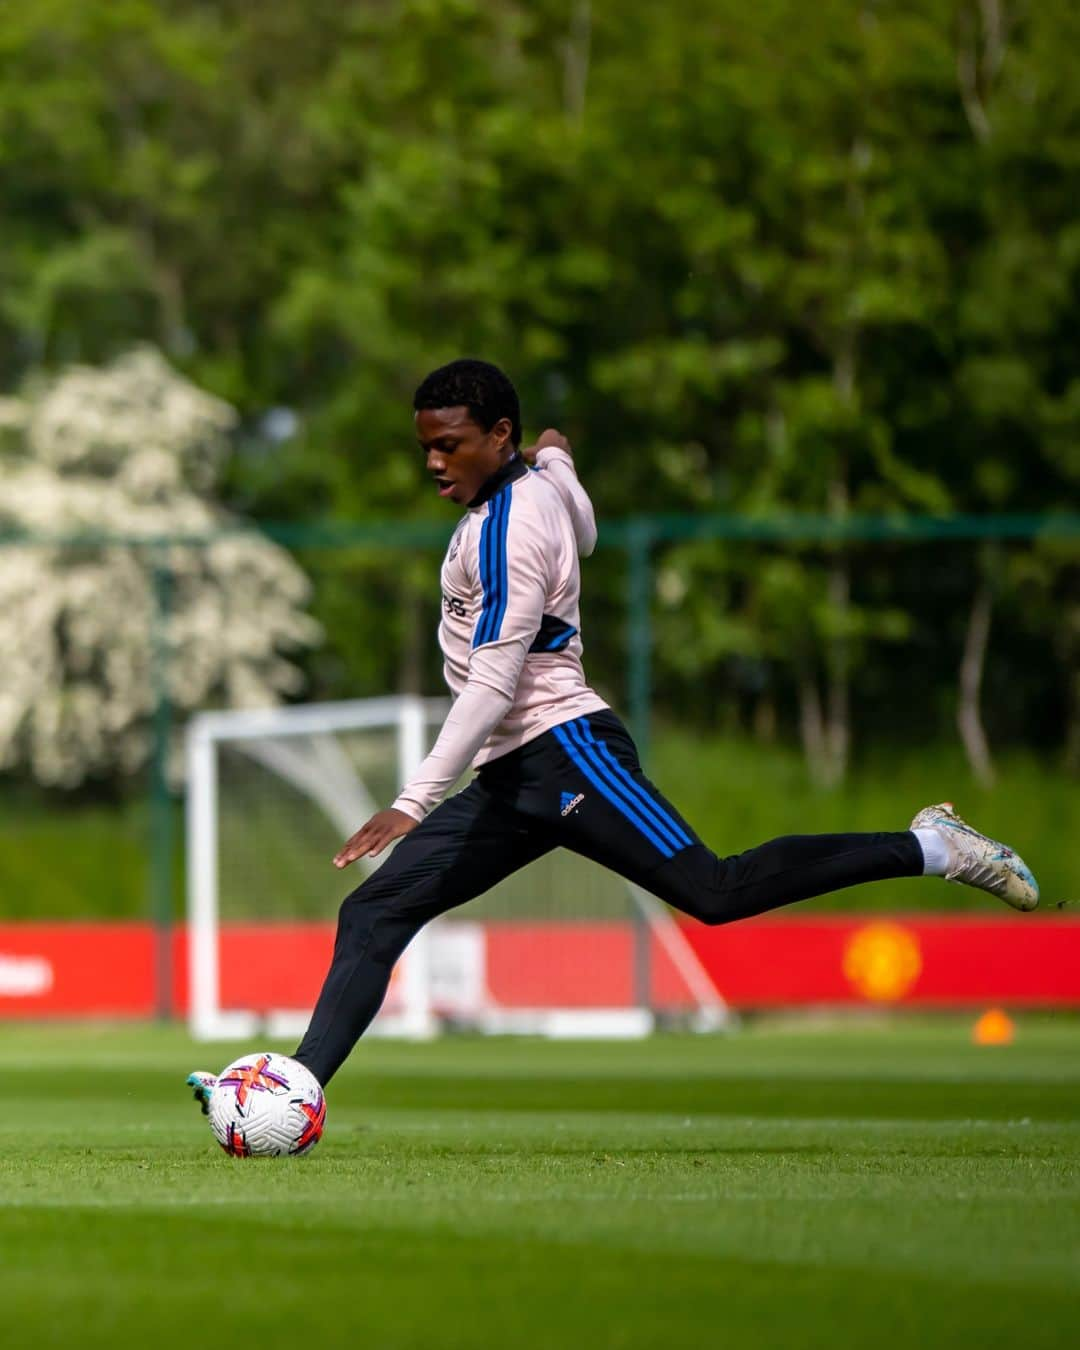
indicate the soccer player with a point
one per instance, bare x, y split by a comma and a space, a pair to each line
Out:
555, 768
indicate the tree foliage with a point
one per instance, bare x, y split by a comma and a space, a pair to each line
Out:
750, 258
130, 449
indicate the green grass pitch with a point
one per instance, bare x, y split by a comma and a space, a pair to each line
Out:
790, 1186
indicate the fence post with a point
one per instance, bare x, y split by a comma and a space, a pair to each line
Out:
639, 638
161, 814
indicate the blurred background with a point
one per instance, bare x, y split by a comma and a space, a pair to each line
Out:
800, 284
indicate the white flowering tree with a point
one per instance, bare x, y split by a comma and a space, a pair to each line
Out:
115, 456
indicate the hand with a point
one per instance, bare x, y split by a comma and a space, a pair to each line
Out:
382, 829
546, 438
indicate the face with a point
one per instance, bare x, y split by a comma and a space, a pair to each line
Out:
461, 455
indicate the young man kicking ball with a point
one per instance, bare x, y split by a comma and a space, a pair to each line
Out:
555, 768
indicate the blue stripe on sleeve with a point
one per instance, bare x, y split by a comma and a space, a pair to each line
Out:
494, 572
561, 640
483, 552
503, 563
552, 635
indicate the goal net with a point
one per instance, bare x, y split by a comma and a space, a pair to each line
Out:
563, 947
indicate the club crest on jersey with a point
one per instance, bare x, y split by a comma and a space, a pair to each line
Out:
455, 543
568, 802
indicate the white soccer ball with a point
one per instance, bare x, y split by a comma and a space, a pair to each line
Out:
265, 1105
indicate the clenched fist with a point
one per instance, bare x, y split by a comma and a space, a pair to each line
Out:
546, 438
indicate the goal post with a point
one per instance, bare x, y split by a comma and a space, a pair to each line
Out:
302, 747
563, 948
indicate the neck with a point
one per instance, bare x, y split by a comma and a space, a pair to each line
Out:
512, 467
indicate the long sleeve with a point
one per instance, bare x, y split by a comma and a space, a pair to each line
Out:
477, 711
513, 571
559, 464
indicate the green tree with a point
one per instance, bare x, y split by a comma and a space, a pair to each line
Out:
751, 259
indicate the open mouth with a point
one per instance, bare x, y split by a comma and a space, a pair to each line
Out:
445, 486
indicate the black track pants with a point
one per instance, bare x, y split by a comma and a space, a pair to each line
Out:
578, 786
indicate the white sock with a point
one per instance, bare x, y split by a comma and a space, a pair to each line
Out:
935, 852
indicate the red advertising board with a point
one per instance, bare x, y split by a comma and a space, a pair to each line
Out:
76, 969
108, 970
929, 962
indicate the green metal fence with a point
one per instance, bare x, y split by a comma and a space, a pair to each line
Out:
637, 538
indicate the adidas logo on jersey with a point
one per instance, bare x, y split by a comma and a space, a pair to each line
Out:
570, 803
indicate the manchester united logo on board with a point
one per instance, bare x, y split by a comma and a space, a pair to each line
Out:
883, 961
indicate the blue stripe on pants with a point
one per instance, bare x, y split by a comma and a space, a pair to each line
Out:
620, 777
616, 798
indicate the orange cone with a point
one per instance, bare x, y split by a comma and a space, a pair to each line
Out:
994, 1027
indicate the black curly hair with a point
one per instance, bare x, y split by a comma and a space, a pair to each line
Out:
477, 385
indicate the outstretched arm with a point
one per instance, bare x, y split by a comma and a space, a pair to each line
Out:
510, 617
477, 711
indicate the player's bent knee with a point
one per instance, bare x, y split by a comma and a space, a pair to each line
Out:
709, 913
376, 920
354, 921
704, 905
359, 912
694, 882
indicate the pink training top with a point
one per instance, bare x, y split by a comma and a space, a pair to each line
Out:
509, 634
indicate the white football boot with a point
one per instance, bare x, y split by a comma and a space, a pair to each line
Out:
977, 860
202, 1083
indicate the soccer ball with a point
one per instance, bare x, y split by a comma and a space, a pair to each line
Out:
265, 1105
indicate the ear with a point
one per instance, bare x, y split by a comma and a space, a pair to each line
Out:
502, 431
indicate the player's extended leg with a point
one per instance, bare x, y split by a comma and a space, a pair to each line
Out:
617, 817
462, 849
